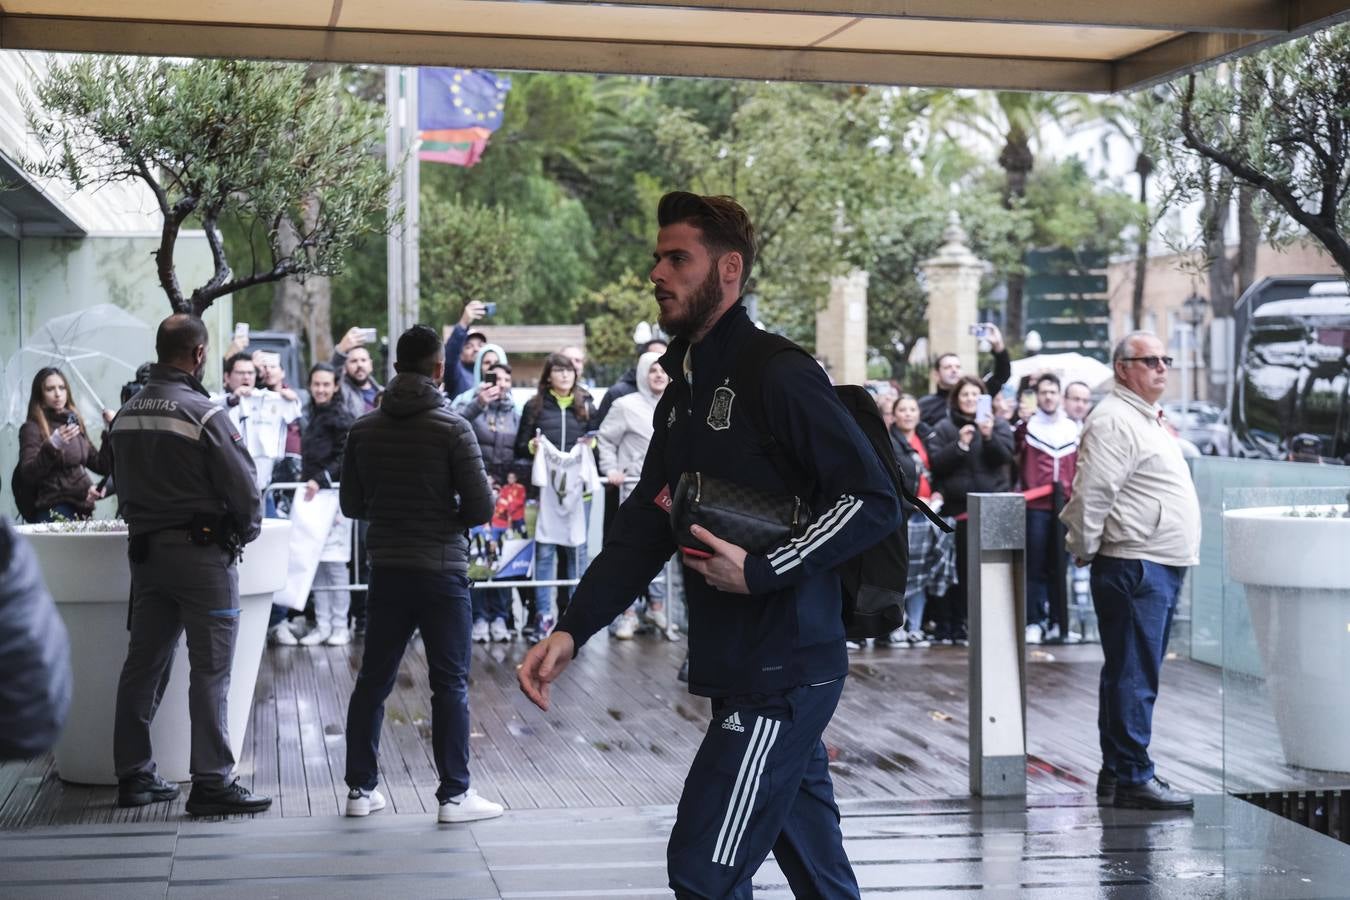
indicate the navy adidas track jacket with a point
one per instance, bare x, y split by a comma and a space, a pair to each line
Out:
789, 630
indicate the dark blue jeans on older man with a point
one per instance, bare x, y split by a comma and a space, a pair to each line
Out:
1135, 600
400, 601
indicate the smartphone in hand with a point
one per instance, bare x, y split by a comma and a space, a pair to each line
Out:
490, 309
368, 335
979, 331
984, 408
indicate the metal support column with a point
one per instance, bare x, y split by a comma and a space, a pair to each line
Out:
401, 244
996, 589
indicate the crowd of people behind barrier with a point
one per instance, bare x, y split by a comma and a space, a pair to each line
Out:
968, 435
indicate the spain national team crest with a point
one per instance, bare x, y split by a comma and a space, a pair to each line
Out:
719, 416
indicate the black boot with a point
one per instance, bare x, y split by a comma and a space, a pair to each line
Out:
683, 674
144, 789
224, 800
1152, 794
1106, 787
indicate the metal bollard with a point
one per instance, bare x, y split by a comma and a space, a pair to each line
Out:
996, 588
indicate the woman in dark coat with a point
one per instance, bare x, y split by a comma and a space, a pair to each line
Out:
563, 412
55, 450
969, 456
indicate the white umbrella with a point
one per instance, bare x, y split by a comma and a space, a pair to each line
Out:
97, 349
1068, 366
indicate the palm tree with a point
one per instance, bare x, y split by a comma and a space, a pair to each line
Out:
1016, 123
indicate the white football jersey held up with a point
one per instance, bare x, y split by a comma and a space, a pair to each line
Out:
562, 479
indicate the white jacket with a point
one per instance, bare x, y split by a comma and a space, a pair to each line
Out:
627, 429
1133, 497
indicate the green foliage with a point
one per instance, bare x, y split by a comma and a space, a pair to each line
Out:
1278, 121
255, 143
611, 313
469, 252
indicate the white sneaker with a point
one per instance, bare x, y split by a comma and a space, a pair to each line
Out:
315, 637
1034, 634
499, 632
658, 618
282, 635
898, 638
468, 807
626, 628
340, 637
363, 803
917, 640
480, 632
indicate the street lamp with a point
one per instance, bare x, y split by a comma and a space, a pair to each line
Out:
1193, 315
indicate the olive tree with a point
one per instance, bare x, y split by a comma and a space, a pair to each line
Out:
292, 160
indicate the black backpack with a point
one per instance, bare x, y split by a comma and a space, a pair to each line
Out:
874, 580
25, 494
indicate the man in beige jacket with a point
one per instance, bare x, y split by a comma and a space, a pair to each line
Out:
1135, 516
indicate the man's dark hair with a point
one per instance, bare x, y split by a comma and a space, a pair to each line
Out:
647, 347
235, 360
937, 363
724, 224
418, 350
178, 336
1048, 376
500, 365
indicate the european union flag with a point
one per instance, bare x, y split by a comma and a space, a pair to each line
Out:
460, 98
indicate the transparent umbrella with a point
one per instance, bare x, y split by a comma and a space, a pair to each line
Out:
98, 350
1068, 366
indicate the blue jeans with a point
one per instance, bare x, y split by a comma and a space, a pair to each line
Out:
1135, 601
491, 603
546, 569
1043, 543
400, 601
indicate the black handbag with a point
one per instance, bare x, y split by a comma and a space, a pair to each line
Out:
753, 519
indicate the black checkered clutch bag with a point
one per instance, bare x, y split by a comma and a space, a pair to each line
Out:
748, 517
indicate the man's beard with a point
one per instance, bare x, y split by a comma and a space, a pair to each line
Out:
699, 309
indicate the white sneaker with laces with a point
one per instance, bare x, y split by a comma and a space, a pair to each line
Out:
918, 641
315, 637
499, 632
480, 632
468, 807
898, 638
626, 628
1034, 634
281, 635
658, 618
363, 803
340, 637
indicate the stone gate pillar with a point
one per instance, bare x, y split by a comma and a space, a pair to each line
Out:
841, 329
953, 298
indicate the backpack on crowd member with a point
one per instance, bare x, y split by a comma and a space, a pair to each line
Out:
874, 580
25, 494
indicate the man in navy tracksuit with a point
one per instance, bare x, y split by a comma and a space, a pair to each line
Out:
766, 637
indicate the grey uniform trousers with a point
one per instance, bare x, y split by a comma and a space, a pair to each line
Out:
179, 587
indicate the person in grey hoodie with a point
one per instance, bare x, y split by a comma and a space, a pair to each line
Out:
624, 436
413, 469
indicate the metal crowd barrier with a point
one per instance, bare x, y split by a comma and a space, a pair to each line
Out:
671, 632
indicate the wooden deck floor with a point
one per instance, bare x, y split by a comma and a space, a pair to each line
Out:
622, 732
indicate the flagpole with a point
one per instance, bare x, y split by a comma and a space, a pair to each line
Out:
401, 243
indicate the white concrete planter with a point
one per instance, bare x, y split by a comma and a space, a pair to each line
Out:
90, 579
1296, 572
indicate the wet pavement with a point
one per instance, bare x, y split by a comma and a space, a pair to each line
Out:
1058, 847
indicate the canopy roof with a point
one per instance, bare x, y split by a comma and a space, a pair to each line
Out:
1057, 45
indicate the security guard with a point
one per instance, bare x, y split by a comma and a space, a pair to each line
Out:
186, 488
766, 633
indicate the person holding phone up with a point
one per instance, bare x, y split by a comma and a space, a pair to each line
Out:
970, 453
54, 452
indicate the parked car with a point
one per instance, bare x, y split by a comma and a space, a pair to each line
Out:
1203, 424
1292, 397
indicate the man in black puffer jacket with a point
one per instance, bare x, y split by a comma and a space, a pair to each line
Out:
414, 470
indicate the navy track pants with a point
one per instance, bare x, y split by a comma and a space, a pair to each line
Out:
761, 782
